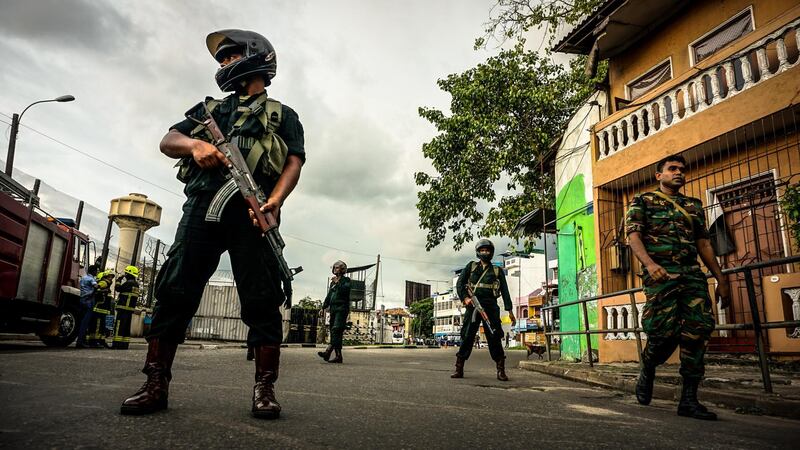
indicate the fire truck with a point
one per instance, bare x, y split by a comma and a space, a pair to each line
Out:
41, 260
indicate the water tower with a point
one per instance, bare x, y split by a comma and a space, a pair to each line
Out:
134, 214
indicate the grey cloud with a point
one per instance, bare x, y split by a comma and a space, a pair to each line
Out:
89, 24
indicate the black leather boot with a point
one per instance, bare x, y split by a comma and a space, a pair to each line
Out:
501, 369
267, 361
338, 357
327, 353
644, 387
689, 406
154, 393
459, 373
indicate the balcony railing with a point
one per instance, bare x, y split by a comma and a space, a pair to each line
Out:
710, 87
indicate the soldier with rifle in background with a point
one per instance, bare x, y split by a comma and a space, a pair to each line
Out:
479, 285
242, 152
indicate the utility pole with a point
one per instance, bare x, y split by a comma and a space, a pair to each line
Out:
375, 286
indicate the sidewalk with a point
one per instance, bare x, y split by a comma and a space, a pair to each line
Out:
728, 383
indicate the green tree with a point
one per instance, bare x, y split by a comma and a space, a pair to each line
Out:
423, 317
308, 303
512, 18
504, 115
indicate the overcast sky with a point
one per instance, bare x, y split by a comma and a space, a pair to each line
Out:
355, 71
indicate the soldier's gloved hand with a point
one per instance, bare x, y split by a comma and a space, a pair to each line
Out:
513, 318
467, 301
207, 156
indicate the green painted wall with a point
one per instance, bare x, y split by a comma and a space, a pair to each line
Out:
577, 277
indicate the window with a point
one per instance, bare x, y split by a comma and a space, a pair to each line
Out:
659, 74
736, 27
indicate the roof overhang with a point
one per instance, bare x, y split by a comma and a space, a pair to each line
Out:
537, 221
618, 24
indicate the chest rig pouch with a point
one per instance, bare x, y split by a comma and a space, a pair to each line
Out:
265, 156
494, 286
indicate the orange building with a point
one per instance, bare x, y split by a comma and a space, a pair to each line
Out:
717, 82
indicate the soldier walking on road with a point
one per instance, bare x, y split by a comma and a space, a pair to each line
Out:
270, 138
486, 283
338, 299
667, 231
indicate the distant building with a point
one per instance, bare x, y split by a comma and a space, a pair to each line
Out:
416, 291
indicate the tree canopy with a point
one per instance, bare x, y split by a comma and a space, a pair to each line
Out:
504, 115
423, 316
513, 18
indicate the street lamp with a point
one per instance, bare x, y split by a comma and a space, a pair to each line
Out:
12, 141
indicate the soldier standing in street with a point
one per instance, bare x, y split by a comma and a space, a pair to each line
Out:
483, 282
667, 231
270, 137
127, 289
338, 299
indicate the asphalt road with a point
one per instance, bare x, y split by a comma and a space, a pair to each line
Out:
388, 398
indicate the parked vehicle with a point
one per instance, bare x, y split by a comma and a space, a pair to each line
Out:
41, 258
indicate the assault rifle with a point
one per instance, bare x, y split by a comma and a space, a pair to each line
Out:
241, 180
479, 310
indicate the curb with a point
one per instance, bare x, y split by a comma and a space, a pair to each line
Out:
768, 404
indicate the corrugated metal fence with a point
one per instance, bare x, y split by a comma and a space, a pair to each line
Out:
219, 314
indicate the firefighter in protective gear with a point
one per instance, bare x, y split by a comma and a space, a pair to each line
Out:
103, 307
127, 289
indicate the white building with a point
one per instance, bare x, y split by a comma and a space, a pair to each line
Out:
447, 311
524, 275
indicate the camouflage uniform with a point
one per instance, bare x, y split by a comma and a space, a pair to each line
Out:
677, 312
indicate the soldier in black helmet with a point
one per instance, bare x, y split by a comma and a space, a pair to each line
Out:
338, 300
270, 137
487, 282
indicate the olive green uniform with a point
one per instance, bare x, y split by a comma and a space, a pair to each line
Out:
198, 244
677, 312
488, 283
338, 299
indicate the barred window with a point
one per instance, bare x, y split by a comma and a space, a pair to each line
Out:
652, 78
738, 26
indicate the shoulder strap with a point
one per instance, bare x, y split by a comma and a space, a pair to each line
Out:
678, 207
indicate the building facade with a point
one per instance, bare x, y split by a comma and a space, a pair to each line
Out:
715, 82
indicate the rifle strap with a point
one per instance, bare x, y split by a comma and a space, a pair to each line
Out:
678, 207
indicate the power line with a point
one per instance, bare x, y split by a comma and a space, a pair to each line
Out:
181, 196
88, 155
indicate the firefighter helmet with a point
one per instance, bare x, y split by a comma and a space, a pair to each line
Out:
132, 271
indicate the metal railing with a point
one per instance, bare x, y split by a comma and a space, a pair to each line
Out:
756, 325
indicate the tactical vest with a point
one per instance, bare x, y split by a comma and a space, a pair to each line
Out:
270, 148
494, 286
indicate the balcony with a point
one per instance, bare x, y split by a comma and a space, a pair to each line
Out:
717, 81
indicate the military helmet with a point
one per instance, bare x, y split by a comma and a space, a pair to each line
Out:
258, 57
132, 271
484, 243
339, 263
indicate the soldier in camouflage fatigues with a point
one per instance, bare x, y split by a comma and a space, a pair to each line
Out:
667, 231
